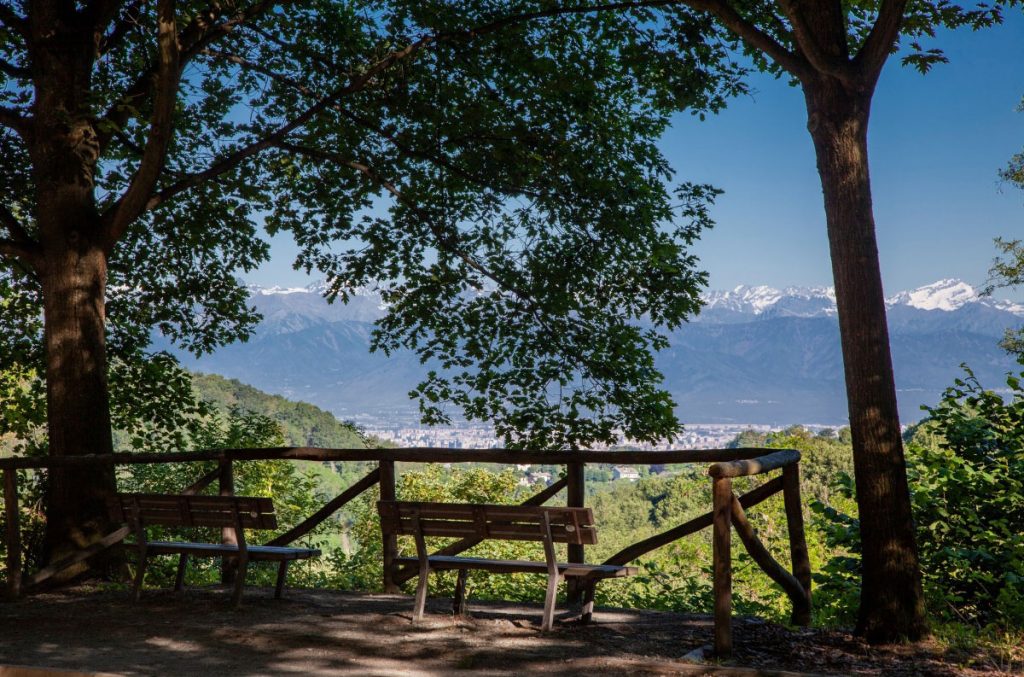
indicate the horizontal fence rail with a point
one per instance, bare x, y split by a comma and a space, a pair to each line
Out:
407, 455
728, 510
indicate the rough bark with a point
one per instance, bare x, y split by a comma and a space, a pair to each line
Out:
892, 606
72, 270
78, 411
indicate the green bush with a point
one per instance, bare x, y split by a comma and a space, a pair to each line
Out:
965, 464
967, 475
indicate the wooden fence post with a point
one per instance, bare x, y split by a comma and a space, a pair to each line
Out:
575, 490
226, 484
390, 543
13, 533
722, 554
797, 541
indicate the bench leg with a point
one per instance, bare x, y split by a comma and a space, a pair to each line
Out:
549, 604
588, 601
282, 571
236, 597
459, 603
140, 574
179, 578
421, 593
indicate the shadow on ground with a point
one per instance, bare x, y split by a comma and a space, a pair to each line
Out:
319, 632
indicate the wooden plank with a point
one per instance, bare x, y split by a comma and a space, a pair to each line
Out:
110, 539
797, 595
13, 533
721, 541
405, 455
575, 497
755, 466
262, 552
389, 540
24, 463
641, 548
311, 522
539, 498
502, 531
522, 566
201, 483
195, 511
493, 512
226, 487
797, 541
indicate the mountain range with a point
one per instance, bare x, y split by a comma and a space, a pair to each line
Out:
753, 355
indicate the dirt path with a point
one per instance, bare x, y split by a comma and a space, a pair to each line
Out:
332, 633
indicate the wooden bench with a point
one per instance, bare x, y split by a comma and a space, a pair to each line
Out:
234, 512
549, 525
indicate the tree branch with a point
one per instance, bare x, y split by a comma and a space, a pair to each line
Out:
13, 20
236, 158
437, 160
876, 49
128, 20
721, 9
809, 38
14, 227
10, 70
445, 241
233, 160
132, 203
200, 32
22, 254
794, 63
13, 119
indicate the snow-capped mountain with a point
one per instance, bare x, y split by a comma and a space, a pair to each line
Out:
754, 354
743, 301
946, 295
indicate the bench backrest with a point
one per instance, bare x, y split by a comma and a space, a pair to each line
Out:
501, 522
181, 510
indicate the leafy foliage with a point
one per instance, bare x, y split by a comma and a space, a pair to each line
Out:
302, 424
966, 471
1008, 271
1008, 268
491, 166
968, 478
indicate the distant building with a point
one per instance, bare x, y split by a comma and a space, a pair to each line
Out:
624, 472
539, 478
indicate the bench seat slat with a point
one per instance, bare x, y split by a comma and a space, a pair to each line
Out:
261, 552
181, 510
447, 562
497, 530
468, 512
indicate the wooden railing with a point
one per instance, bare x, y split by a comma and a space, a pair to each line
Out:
728, 509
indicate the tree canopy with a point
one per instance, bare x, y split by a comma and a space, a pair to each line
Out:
490, 167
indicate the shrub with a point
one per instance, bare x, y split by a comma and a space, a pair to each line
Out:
967, 474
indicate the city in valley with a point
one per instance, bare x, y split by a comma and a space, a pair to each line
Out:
467, 436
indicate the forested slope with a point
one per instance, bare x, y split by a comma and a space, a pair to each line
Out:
301, 423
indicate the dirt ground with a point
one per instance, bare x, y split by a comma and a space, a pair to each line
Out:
319, 632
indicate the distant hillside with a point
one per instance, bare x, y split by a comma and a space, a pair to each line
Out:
753, 355
304, 425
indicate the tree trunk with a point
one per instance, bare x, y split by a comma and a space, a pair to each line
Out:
78, 409
73, 273
891, 604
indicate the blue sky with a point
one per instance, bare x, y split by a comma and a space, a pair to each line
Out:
936, 144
